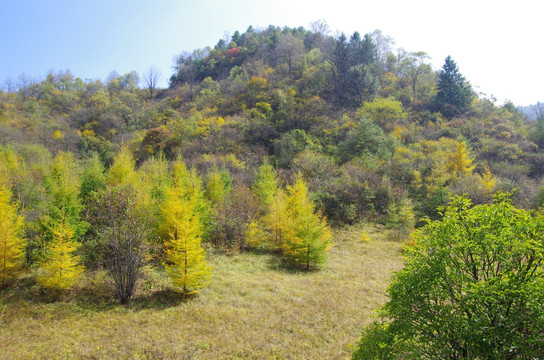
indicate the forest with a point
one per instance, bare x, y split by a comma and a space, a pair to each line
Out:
273, 146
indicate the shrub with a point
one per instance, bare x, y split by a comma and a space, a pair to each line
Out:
471, 289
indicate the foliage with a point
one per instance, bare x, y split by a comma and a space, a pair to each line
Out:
185, 258
306, 238
454, 93
60, 268
12, 245
62, 185
470, 288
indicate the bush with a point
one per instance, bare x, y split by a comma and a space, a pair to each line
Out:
471, 289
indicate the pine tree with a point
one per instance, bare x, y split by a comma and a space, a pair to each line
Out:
454, 92
307, 237
61, 267
185, 258
12, 245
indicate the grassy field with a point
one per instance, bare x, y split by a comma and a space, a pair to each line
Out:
253, 309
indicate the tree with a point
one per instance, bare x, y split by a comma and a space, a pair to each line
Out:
307, 236
12, 244
265, 184
185, 258
454, 92
62, 185
471, 289
459, 162
151, 78
61, 267
124, 229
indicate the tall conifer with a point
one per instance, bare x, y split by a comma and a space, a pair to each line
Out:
11, 243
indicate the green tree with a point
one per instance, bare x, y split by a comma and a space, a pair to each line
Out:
471, 289
93, 178
454, 92
265, 184
12, 245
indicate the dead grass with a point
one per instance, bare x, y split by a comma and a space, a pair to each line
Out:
253, 309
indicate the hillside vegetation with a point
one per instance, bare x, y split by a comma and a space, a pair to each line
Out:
235, 183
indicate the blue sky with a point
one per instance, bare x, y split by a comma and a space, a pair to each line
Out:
497, 44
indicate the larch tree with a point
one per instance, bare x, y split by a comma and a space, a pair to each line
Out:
62, 186
185, 263
61, 266
459, 163
12, 244
265, 184
307, 237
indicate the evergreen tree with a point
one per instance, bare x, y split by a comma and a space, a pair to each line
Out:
307, 236
61, 267
454, 92
12, 245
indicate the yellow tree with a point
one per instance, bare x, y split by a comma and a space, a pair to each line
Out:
459, 162
307, 236
61, 267
185, 263
11, 243
123, 170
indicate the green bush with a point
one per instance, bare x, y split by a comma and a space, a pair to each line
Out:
471, 289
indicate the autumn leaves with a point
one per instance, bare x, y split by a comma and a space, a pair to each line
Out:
127, 217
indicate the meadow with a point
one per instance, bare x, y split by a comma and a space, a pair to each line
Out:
254, 308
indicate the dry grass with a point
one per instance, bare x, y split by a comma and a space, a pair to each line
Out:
253, 309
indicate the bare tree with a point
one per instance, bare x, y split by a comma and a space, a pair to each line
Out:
320, 27
151, 78
124, 232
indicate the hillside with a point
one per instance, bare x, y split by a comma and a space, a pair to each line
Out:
344, 112
247, 180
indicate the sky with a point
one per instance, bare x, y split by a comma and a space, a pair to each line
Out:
497, 45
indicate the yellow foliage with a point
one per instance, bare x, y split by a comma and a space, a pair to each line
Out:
12, 244
399, 132
364, 238
58, 135
487, 179
61, 267
88, 133
459, 162
306, 238
122, 171
256, 235
185, 263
